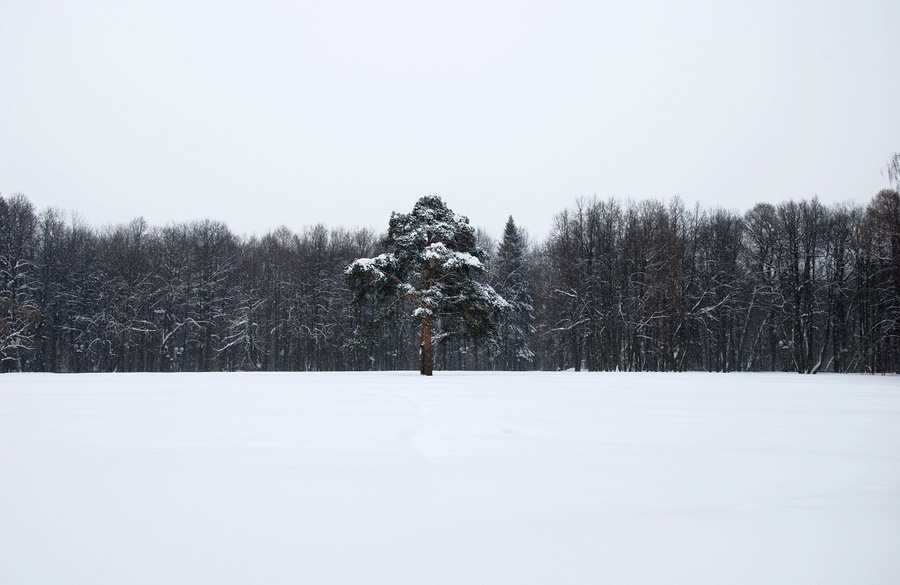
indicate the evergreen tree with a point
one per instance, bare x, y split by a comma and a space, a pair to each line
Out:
511, 274
432, 263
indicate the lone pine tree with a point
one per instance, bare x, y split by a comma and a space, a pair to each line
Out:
432, 265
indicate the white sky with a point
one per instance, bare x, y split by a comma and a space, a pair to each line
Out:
268, 113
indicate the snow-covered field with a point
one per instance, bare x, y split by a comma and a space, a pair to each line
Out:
468, 478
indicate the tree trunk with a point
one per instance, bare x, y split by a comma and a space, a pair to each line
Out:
426, 352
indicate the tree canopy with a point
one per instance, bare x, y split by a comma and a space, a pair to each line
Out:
432, 264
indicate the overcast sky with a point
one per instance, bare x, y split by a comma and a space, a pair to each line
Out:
270, 113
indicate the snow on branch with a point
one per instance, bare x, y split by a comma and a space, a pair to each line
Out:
450, 259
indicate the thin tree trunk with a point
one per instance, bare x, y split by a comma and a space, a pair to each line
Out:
426, 352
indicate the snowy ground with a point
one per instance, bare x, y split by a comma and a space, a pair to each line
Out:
468, 478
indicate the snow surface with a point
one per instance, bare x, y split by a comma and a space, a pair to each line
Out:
464, 478
450, 258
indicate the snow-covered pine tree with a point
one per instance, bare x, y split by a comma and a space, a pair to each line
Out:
511, 274
431, 264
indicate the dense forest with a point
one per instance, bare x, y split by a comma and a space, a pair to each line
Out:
616, 285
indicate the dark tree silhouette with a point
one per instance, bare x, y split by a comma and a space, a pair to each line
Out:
511, 267
432, 263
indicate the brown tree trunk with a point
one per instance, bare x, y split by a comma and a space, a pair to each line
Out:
426, 352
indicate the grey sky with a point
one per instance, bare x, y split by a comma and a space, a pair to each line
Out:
268, 113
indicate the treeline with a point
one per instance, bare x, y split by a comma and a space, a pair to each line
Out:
793, 287
632, 286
